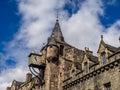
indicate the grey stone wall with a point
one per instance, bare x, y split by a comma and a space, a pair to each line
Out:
96, 79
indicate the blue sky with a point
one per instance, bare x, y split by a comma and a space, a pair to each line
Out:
9, 19
25, 25
111, 13
9, 24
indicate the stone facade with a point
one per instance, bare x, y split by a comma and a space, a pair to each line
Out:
68, 68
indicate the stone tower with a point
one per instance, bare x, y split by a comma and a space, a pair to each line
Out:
52, 57
53, 52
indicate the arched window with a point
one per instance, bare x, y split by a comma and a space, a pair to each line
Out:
86, 67
103, 55
61, 50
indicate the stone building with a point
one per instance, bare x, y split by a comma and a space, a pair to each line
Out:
64, 67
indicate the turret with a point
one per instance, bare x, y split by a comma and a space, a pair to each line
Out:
52, 47
52, 50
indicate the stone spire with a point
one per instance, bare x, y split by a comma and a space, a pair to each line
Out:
52, 41
57, 34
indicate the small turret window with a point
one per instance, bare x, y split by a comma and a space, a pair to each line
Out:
50, 46
61, 49
103, 55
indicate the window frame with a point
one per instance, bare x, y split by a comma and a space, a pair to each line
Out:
86, 67
61, 50
103, 57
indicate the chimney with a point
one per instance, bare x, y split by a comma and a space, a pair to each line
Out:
8, 88
28, 77
88, 51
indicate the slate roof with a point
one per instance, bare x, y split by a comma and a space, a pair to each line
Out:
52, 41
57, 34
92, 58
18, 83
111, 48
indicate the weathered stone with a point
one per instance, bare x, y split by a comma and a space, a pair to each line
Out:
68, 68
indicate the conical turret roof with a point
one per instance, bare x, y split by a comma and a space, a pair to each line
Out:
57, 34
52, 41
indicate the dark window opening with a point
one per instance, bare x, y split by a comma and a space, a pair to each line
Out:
107, 86
86, 67
61, 49
50, 46
73, 71
103, 58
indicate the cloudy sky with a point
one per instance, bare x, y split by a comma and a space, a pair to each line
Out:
26, 24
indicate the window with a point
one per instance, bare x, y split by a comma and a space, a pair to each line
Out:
103, 58
61, 49
107, 86
50, 46
86, 67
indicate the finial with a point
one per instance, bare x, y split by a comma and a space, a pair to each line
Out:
86, 49
57, 17
101, 37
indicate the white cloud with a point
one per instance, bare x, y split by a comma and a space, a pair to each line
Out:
84, 26
112, 34
6, 77
38, 17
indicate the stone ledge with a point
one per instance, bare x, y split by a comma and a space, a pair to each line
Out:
91, 74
